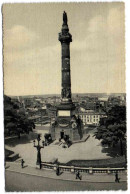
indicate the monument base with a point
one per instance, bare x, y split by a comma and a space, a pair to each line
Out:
66, 123
58, 133
65, 127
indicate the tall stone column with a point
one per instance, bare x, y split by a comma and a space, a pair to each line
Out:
65, 38
66, 122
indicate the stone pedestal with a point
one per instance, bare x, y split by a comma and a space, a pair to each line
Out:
73, 133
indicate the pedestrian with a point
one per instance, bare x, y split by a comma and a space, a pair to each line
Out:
57, 171
117, 180
22, 163
78, 176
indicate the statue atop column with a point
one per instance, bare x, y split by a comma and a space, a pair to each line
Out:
65, 18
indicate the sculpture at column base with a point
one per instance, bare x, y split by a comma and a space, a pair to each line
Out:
67, 126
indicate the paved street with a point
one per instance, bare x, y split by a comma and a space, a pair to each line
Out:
22, 182
96, 177
30, 178
91, 149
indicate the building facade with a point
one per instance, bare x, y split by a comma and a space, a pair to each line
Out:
91, 118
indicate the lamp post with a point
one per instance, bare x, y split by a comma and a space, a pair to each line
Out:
38, 150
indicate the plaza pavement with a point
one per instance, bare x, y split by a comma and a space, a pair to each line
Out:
68, 176
89, 150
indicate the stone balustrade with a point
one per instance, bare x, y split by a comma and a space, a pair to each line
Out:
74, 169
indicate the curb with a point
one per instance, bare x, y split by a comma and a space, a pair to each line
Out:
60, 178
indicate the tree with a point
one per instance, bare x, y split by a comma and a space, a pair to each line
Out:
112, 130
15, 119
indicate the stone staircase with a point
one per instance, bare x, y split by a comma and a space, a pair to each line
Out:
12, 157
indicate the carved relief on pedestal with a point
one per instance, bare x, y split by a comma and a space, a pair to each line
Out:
63, 123
74, 122
74, 125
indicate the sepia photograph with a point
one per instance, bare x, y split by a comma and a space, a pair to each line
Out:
64, 84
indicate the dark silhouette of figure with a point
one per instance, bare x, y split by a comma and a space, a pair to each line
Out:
78, 176
65, 18
62, 134
117, 180
22, 163
57, 171
80, 127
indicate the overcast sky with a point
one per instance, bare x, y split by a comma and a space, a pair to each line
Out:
32, 52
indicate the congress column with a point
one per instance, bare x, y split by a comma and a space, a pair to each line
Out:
65, 38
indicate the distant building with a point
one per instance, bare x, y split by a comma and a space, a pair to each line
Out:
89, 106
103, 99
118, 100
91, 118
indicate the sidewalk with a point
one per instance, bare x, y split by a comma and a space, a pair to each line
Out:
68, 176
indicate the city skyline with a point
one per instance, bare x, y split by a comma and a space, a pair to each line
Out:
73, 95
34, 52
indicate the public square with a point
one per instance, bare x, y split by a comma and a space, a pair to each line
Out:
89, 150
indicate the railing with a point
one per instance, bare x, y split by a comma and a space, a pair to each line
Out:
89, 170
